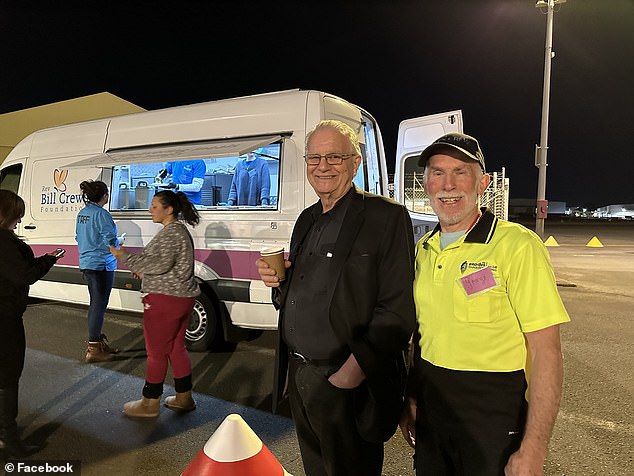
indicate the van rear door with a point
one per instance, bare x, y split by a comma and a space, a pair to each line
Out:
413, 136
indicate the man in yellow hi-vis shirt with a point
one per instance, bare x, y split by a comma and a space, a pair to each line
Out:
488, 316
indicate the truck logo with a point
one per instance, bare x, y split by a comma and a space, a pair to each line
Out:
59, 177
55, 199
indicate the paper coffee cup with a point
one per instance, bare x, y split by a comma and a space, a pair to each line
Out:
274, 257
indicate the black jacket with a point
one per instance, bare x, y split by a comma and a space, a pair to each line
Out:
371, 303
19, 268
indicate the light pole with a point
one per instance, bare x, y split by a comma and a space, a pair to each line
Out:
542, 148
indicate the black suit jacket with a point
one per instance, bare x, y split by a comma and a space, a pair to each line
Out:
371, 304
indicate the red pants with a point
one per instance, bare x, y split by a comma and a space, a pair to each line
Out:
165, 320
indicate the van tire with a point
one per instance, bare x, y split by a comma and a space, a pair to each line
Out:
204, 331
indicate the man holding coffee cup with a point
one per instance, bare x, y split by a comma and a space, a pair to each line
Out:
274, 257
346, 312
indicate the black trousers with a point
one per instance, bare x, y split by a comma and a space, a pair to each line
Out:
12, 350
467, 423
328, 438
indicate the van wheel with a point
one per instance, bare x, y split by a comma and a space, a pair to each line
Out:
203, 331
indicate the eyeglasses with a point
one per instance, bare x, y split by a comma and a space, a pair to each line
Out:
331, 159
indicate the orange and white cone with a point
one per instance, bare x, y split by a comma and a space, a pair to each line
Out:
234, 450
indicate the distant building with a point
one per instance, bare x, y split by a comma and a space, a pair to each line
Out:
16, 125
526, 207
624, 211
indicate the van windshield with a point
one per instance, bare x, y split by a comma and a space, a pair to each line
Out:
10, 178
248, 181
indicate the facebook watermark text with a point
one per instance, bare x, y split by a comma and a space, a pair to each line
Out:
43, 467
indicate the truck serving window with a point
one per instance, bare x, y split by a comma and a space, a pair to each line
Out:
249, 181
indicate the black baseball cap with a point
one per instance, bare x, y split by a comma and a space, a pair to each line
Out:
466, 145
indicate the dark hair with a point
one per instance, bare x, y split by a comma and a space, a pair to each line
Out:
93, 190
183, 208
11, 207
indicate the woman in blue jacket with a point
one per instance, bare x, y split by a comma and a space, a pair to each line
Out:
95, 231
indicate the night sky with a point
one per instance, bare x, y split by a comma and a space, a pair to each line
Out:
397, 59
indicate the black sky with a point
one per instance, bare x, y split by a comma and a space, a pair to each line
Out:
397, 59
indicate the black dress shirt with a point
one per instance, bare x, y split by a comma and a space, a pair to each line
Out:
307, 328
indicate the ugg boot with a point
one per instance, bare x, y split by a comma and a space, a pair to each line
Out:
97, 353
9, 438
105, 345
144, 408
181, 402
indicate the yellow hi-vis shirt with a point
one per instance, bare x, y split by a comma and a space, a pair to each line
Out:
478, 323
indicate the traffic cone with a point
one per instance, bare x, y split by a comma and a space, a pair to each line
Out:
594, 243
234, 450
550, 241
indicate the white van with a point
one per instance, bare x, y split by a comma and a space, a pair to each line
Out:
128, 152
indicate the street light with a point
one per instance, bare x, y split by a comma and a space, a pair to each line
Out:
542, 148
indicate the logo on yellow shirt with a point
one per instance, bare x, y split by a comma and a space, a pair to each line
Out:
476, 265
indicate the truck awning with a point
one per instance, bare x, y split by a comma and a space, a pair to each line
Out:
174, 152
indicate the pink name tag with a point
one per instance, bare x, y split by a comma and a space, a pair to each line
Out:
479, 281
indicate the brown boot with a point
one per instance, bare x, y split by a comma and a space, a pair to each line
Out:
96, 353
144, 408
106, 345
181, 402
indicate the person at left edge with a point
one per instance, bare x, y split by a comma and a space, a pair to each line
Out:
188, 177
95, 231
19, 268
346, 313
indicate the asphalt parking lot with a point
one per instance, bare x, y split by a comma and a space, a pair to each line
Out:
595, 428
75, 408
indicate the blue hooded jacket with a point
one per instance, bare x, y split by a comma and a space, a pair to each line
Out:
95, 231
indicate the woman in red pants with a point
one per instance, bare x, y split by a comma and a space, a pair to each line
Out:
169, 288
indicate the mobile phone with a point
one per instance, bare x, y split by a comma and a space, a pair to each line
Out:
59, 252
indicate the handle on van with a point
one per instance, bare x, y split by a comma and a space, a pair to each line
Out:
30, 227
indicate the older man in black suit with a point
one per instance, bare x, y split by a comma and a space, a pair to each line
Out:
346, 313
